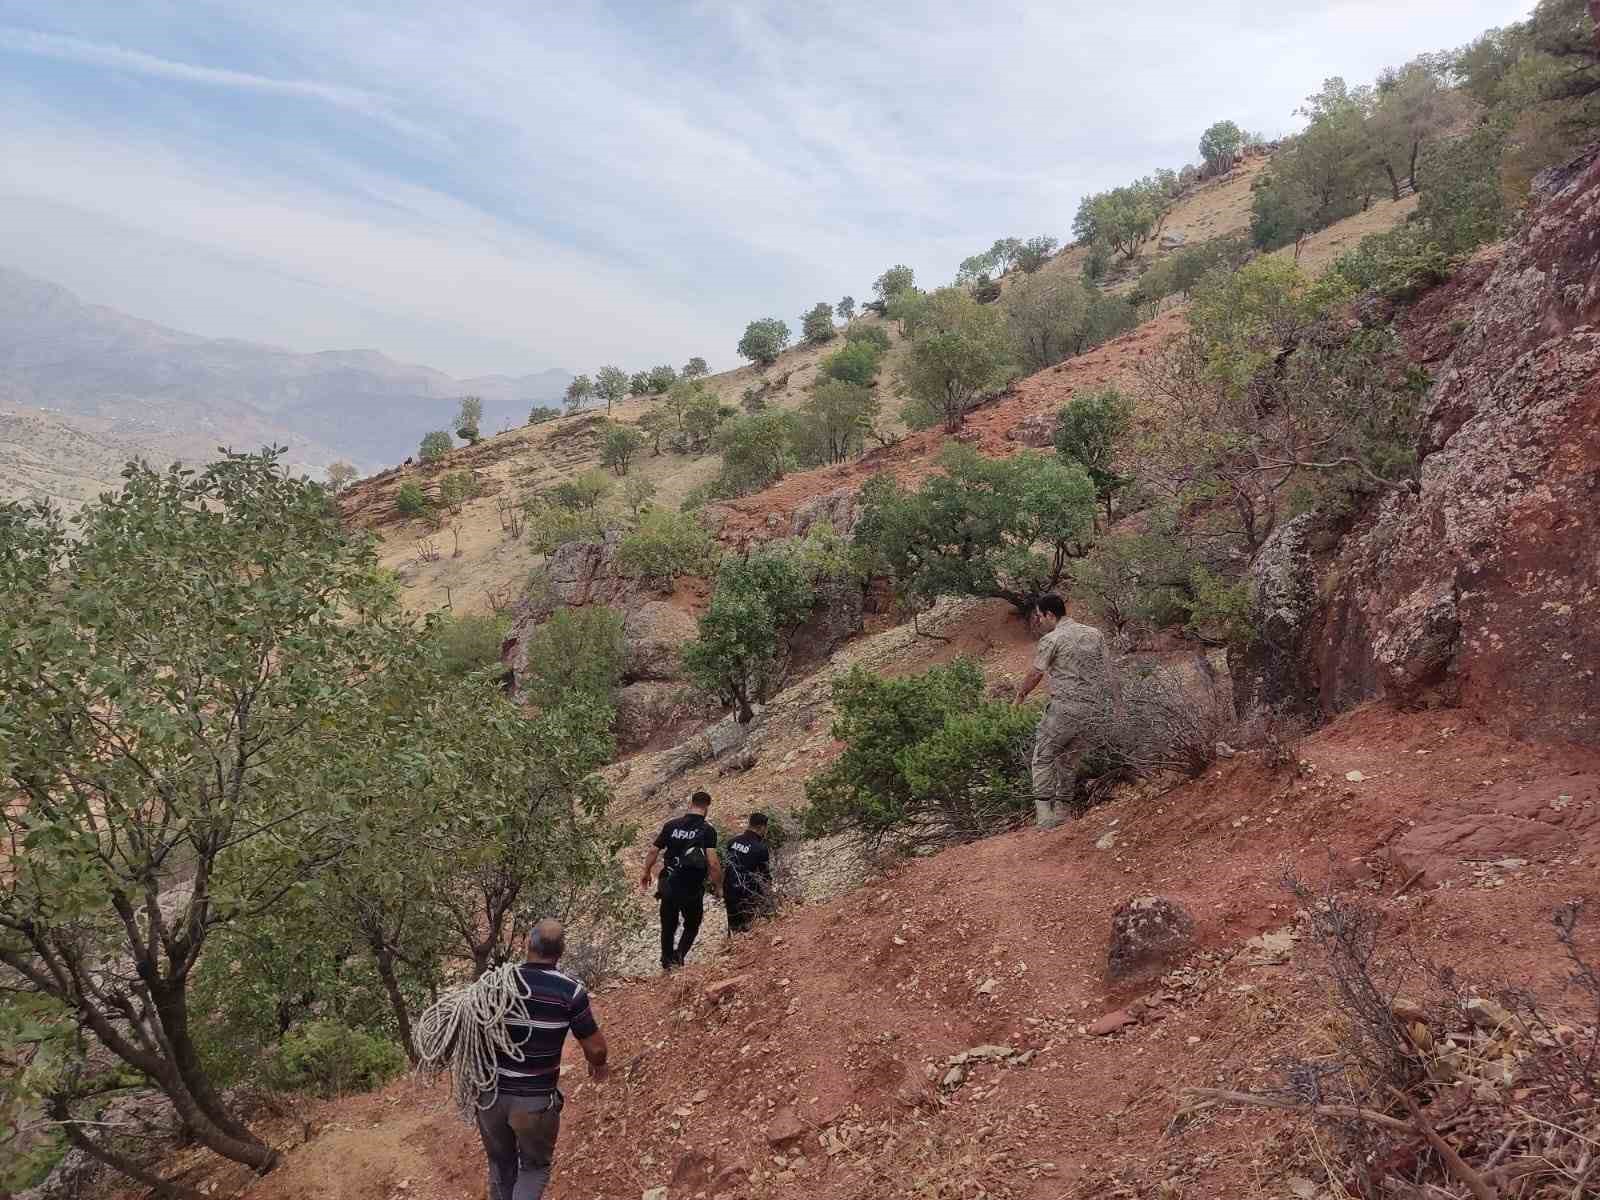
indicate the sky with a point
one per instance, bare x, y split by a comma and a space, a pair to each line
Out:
508, 187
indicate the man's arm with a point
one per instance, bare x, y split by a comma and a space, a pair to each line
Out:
595, 1051
649, 868
714, 863
1029, 682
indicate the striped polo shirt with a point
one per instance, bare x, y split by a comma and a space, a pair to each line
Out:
556, 1003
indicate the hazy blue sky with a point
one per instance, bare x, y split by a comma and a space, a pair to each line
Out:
507, 186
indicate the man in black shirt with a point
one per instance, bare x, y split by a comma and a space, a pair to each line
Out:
520, 1119
749, 880
688, 845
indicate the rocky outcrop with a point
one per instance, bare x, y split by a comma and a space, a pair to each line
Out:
1484, 587
654, 631
1146, 932
1268, 675
836, 508
648, 710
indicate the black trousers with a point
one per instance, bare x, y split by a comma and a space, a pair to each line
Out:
742, 907
688, 907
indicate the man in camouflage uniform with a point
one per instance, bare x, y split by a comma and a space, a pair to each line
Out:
1074, 658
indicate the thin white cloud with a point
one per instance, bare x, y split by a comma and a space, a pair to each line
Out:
630, 183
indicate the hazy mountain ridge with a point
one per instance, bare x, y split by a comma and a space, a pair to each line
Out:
66, 357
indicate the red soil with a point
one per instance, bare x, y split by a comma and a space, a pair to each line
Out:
843, 1008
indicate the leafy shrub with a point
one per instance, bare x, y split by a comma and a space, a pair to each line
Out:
1088, 430
927, 760
411, 500
662, 377
637, 494
578, 652
540, 413
469, 642
694, 368
434, 446
1097, 263
551, 525
856, 363
457, 487
1135, 581
873, 335
1399, 263
831, 426
328, 1059
962, 351
891, 283
665, 546
468, 418
1219, 610
582, 492
1035, 252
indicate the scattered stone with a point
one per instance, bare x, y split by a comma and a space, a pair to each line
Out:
954, 1077
988, 987
717, 992
1106, 841
1272, 948
1488, 1015
655, 1193
1111, 1022
1354, 776
785, 1128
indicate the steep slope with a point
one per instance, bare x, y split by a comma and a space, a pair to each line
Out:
814, 1058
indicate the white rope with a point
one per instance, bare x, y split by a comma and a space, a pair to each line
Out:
465, 1031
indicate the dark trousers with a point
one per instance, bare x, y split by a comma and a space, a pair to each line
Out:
742, 907
519, 1138
685, 905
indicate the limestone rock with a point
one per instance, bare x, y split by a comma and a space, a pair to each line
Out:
785, 1129
1146, 932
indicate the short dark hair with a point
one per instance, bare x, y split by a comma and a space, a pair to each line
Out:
758, 820
700, 800
1052, 604
547, 939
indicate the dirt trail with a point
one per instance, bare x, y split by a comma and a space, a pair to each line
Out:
841, 1011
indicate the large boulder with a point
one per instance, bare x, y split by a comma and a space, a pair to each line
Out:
1269, 675
1147, 932
836, 508
1483, 588
654, 631
651, 708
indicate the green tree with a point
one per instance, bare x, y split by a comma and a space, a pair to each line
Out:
834, 422
928, 760
578, 392
702, 416
961, 352
1035, 252
575, 657
741, 653
340, 475
639, 383
1125, 218
637, 493
763, 341
662, 378
1413, 106
907, 308
611, 385
892, 282
981, 527
857, 362
1005, 254
469, 419
176, 683
977, 267
654, 424
846, 309
695, 368
583, 492
1219, 144
755, 452
816, 325
1048, 317
1089, 429
468, 643
618, 446
540, 413
434, 446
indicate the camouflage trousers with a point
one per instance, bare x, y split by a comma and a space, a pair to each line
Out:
1057, 749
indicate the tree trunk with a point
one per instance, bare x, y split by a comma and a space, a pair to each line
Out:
172, 1006
1394, 182
397, 1001
1416, 148
166, 1189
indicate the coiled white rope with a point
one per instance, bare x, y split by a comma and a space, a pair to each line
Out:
465, 1030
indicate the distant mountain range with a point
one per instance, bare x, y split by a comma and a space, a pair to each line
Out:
149, 387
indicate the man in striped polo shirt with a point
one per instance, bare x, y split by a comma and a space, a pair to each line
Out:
519, 1128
